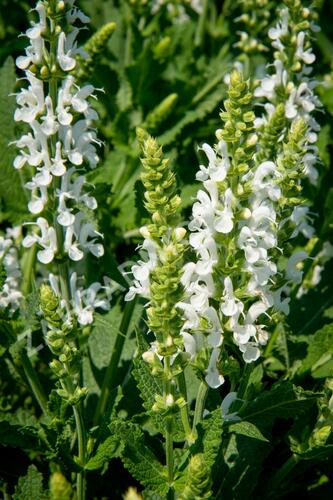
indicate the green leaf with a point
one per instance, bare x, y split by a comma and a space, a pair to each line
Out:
20, 430
103, 336
30, 486
209, 437
12, 195
282, 401
139, 459
247, 429
243, 458
319, 359
110, 448
205, 107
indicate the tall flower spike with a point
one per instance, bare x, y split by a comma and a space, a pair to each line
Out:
216, 218
158, 277
61, 136
240, 222
60, 146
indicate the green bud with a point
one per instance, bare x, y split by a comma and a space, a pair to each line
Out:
94, 47
49, 303
161, 50
198, 481
60, 488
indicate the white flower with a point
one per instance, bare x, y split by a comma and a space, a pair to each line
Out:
85, 301
264, 180
281, 29
30, 101
213, 377
225, 407
250, 352
141, 271
65, 59
47, 240
305, 55
293, 272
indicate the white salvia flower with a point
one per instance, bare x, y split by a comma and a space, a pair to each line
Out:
47, 240
85, 301
10, 294
293, 272
142, 270
213, 378
306, 55
61, 138
66, 62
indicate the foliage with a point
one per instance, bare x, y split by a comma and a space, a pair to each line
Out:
267, 432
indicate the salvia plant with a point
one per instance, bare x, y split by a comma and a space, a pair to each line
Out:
166, 250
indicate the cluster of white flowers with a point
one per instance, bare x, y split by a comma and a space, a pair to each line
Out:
10, 294
59, 147
294, 83
222, 224
84, 301
142, 269
60, 142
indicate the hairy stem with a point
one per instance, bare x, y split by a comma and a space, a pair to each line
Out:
167, 389
184, 413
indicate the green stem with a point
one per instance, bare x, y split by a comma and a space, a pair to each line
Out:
167, 389
111, 371
67, 384
184, 413
28, 266
169, 456
34, 382
80, 428
199, 405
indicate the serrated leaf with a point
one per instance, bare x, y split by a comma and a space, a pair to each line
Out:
139, 459
19, 430
103, 336
243, 458
209, 437
30, 486
247, 429
205, 107
283, 401
110, 448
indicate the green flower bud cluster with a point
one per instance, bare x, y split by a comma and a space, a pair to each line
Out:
161, 49
164, 318
254, 21
60, 488
300, 18
238, 130
271, 133
198, 480
94, 48
167, 405
160, 113
61, 341
162, 201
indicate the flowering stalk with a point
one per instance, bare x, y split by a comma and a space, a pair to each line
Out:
57, 150
158, 278
249, 208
